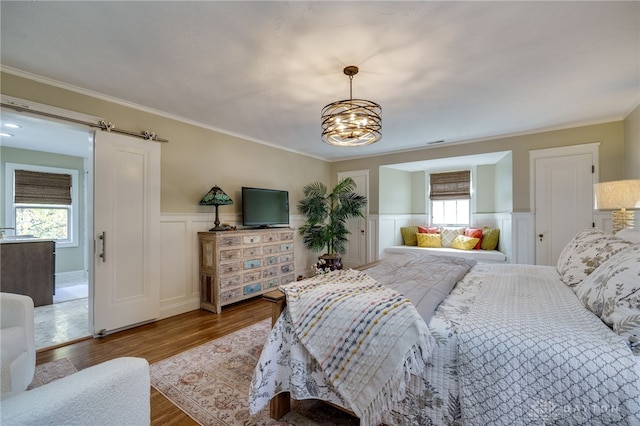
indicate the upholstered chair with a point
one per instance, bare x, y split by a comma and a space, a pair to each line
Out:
17, 343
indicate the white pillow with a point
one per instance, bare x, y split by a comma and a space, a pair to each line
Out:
629, 234
612, 292
585, 252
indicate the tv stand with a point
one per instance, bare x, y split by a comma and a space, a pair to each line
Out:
237, 265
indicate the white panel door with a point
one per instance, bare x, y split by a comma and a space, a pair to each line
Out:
356, 253
127, 232
563, 203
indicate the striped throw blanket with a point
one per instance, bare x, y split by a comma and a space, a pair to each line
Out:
367, 338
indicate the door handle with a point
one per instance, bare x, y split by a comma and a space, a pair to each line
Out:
540, 236
103, 238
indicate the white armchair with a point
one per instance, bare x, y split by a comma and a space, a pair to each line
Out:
17, 344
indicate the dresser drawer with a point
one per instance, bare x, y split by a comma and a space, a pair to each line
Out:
251, 289
270, 237
286, 279
286, 247
286, 268
231, 281
252, 252
286, 258
247, 277
252, 239
229, 241
272, 260
271, 283
270, 272
253, 263
229, 268
228, 295
286, 236
232, 254
271, 249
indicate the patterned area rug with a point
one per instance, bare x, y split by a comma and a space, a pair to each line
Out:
50, 371
211, 384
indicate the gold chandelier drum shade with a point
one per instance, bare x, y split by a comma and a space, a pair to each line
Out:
351, 122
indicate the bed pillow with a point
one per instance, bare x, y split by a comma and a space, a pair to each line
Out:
462, 242
474, 233
490, 238
629, 234
612, 292
585, 252
450, 234
409, 235
429, 240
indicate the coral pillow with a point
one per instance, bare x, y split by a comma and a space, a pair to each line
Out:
474, 233
464, 243
429, 240
409, 235
429, 230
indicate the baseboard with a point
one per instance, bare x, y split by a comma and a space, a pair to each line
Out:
71, 276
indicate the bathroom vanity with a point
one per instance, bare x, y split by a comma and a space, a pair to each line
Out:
28, 267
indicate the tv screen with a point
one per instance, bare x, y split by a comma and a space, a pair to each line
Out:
264, 207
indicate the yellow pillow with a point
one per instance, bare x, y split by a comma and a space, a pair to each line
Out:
409, 235
490, 237
462, 242
428, 240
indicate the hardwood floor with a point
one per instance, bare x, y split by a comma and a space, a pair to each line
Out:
160, 340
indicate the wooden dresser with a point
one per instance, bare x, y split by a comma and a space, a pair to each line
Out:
237, 265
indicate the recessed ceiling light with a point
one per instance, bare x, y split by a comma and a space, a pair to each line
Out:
5, 134
12, 125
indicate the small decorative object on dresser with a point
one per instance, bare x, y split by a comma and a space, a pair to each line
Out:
237, 265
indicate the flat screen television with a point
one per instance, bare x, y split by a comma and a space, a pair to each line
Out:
264, 207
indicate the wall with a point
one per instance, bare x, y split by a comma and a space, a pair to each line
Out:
612, 152
195, 159
418, 193
632, 145
68, 259
485, 180
396, 187
503, 185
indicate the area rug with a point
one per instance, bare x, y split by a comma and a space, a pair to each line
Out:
210, 383
51, 371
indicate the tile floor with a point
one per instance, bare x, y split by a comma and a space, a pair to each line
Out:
66, 319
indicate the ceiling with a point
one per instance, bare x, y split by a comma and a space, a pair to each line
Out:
452, 71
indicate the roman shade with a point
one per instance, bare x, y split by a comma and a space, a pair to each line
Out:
450, 185
42, 188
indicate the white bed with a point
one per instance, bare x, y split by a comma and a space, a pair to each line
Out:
513, 345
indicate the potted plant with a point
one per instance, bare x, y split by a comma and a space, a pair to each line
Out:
327, 214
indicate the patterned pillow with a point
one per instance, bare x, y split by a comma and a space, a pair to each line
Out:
585, 252
409, 235
490, 238
429, 240
464, 243
449, 234
474, 233
612, 292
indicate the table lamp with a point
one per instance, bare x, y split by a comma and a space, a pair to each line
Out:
619, 195
216, 197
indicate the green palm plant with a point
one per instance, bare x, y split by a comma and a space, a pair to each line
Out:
327, 214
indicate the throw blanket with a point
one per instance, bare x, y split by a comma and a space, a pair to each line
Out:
530, 353
367, 338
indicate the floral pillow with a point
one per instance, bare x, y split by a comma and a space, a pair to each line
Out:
612, 292
585, 252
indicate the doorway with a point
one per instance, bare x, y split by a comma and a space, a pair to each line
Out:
39, 143
562, 196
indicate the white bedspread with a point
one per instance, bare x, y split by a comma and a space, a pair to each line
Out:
529, 353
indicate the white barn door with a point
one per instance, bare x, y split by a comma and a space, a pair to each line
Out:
563, 180
127, 229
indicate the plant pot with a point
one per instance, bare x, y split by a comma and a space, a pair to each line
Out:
330, 262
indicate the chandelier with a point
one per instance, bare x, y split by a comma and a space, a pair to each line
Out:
352, 122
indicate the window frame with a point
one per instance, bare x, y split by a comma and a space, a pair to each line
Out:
73, 209
429, 202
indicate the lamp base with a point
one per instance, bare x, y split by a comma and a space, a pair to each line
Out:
623, 219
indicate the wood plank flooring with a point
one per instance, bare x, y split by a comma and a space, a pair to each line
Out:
160, 340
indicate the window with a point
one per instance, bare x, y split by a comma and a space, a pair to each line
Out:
43, 202
450, 195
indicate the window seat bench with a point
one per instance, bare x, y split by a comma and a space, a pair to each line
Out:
489, 256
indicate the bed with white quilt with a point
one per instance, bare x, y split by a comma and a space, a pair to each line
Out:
421, 340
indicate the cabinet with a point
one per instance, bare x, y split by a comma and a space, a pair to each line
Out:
28, 267
237, 265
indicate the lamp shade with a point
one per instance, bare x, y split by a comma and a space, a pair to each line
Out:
215, 197
619, 194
